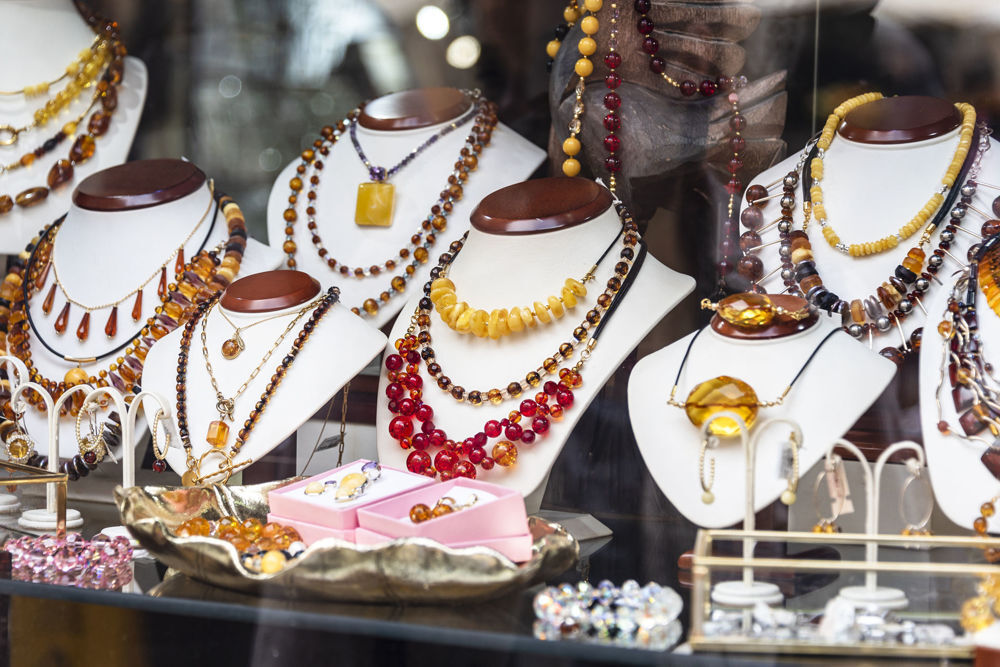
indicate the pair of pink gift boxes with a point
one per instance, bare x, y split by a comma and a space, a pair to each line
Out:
493, 516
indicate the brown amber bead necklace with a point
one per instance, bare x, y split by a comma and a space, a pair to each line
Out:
106, 93
111, 327
207, 274
409, 257
218, 431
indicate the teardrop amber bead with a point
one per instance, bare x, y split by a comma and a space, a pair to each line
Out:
137, 307
49, 299
43, 276
63, 319
161, 289
83, 331
179, 263
111, 328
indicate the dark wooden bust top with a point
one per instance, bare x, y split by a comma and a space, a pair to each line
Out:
541, 205
270, 290
413, 109
777, 329
899, 120
138, 184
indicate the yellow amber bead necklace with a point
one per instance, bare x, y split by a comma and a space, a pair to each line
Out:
583, 67
728, 394
499, 322
915, 223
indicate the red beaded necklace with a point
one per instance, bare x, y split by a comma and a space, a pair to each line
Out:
459, 458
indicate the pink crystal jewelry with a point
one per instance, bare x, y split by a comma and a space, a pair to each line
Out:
70, 560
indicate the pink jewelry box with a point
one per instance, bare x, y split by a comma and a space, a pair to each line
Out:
497, 519
517, 548
290, 503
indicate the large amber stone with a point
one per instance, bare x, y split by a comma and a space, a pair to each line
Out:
722, 394
375, 204
350, 485
60, 173
31, 197
218, 433
83, 149
747, 310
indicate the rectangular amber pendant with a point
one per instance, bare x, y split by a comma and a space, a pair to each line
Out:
375, 204
218, 433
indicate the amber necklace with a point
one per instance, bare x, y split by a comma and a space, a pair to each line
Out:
409, 257
200, 278
376, 200
111, 327
728, 394
106, 92
218, 431
889, 242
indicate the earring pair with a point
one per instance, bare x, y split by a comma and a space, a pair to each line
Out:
446, 505
788, 496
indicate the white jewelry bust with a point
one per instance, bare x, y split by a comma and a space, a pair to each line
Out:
107, 248
54, 34
389, 128
525, 241
338, 348
835, 388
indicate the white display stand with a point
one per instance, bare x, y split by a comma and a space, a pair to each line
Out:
746, 592
870, 191
54, 34
339, 347
961, 482
508, 159
130, 245
484, 276
871, 594
836, 388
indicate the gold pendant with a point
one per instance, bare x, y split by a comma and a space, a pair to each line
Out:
190, 478
233, 347
375, 204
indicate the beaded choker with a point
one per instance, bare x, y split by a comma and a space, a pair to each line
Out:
206, 274
111, 50
417, 252
456, 458
728, 394
196, 474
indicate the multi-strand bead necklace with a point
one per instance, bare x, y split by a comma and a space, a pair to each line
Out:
409, 258
413, 425
896, 297
106, 49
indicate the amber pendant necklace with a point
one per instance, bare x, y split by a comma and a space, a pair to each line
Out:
233, 346
111, 326
376, 199
728, 394
218, 430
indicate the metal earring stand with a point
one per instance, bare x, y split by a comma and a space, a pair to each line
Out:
871, 594
746, 592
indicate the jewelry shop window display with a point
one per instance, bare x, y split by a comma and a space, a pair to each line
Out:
488, 374
67, 111
127, 264
381, 193
299, 347
762, 362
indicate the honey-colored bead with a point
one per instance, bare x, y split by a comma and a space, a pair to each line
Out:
583, 67
570, 15
556, 307
857, 311
552, 48
528, 317
505, 453
587, 46
252, 528
571, 166
589, 25
593, 5
495, 396
576, 287
272, 561
514, 321
987, 510
442, 283
420, 513
480, 323
370, 306
464, 322
542, 313
457, 310
497, 324
218, 433
571, 146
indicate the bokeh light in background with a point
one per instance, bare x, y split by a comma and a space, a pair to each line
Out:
432, 22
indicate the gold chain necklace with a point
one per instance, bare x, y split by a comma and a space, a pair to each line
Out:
218, 431
923, 215
111, 327
233, 346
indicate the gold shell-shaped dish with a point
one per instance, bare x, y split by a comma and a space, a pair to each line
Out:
411, 570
